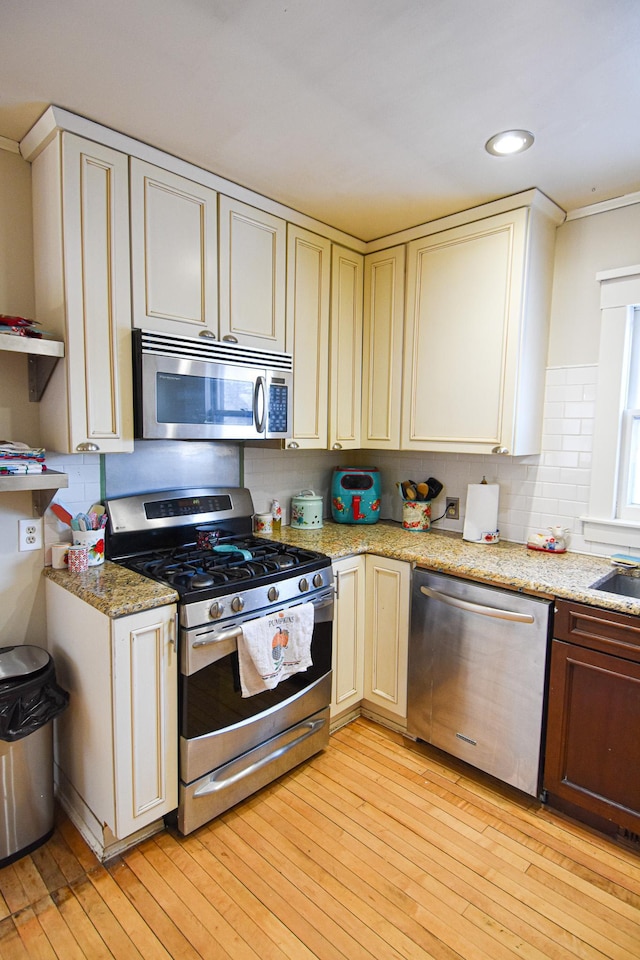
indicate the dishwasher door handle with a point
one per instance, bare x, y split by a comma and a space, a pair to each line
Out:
477, 607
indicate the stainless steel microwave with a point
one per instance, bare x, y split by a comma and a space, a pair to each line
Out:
187, 388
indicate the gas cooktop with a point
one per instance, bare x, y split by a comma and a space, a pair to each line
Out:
229, 565
199, 542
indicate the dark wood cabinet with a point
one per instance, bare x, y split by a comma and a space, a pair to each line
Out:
592, 763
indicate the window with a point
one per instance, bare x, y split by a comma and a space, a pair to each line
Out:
614, 505
628, 500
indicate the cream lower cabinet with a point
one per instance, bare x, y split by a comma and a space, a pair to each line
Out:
82, 285
345, 360
116, 745
308, 293
348, 634
476, 325
382, 338
388, 584
252, 278
174, 253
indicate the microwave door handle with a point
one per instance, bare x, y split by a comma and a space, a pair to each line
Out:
259, 408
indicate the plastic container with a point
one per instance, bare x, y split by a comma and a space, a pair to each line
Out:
30, 698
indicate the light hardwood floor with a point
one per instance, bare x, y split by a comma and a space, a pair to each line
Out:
370, 849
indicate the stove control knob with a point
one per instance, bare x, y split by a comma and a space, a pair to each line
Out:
237, 604
216, 610
317, 580
273, 593
303, 585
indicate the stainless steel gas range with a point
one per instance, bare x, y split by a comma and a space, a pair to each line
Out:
199, 542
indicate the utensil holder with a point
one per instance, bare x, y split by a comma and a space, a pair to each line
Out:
93, 540
416, 515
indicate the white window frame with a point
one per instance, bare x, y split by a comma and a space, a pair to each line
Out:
619, 297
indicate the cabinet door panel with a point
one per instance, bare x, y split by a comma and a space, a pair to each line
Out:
346, 349
348, 634
252, 275
308, 291
83, 295
145, 716
100, 334
462, 346
382, 348
388, 583
593, 749
174, 252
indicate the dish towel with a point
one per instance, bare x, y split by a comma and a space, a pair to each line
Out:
274, 647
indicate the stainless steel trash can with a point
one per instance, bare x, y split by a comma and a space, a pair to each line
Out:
30, 698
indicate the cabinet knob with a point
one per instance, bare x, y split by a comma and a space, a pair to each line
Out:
293, 445
207, 333
230, 338
499, 449
87, 448
337, 446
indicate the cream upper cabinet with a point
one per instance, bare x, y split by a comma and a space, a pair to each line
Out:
174, 259
348, 634
117, 743
345, 362
476, 335
82, 285
388, 584
252, 279
308, 292
382, 338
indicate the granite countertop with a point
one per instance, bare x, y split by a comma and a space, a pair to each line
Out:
113, 589
567, 575
117, 592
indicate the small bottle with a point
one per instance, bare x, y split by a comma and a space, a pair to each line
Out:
276, 516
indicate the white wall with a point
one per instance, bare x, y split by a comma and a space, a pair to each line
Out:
585, 246
21, 592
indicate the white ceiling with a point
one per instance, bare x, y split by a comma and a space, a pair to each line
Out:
370, 115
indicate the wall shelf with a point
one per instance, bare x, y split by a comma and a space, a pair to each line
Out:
42, 486
48, 480
43, 357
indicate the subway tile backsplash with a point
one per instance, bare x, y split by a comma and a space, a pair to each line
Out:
535, 492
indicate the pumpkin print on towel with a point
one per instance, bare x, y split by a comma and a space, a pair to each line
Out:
279, 643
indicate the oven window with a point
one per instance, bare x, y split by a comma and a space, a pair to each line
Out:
211, 699
186, 399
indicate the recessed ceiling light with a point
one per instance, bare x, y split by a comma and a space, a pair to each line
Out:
508, 142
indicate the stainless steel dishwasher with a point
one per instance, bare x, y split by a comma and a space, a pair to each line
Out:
477, 667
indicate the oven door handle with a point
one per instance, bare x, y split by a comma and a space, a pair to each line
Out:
318, 604
219, 638
235, 770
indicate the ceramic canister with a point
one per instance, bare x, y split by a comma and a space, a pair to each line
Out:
306, 510
93, 540
416, 515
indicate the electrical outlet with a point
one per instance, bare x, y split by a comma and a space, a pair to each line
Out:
452, 508
30, 534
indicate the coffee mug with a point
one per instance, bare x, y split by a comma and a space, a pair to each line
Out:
59, 556
263, 523
78, 558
